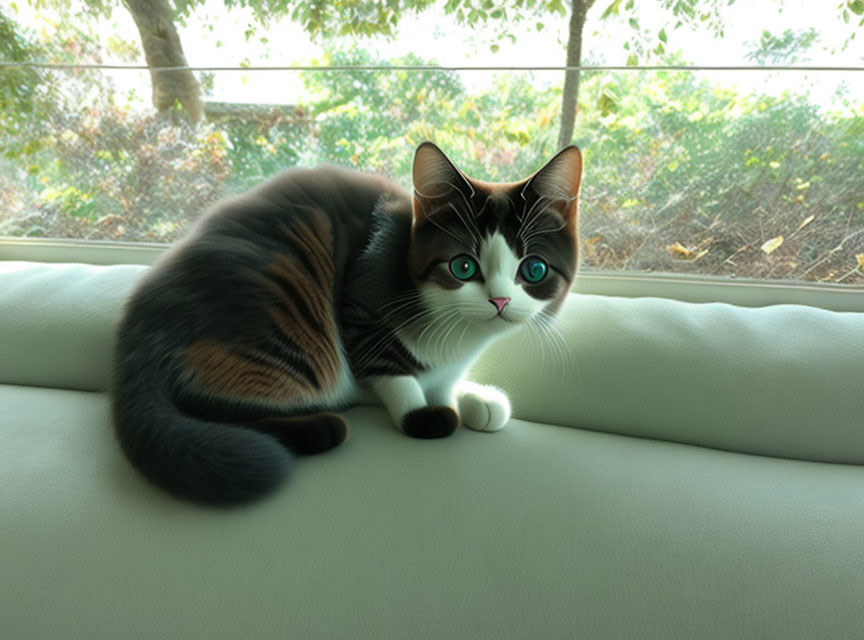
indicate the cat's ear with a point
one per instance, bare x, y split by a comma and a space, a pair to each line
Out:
435, 176
558, 181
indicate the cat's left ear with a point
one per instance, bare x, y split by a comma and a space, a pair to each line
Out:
558, 182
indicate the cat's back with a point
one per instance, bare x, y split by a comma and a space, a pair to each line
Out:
303, 226
322, 214
344, 197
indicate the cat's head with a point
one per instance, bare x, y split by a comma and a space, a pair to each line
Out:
495, 254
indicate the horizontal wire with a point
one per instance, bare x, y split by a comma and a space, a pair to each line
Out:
662, 67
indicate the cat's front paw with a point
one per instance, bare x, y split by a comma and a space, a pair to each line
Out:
483, 408
430, 422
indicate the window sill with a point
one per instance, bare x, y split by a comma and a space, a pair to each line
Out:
745, 293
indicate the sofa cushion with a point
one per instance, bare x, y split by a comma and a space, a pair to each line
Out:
532, 532
57, 322
782, 381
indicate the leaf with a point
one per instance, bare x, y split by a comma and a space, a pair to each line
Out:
632, 60
857, 7
662, 36
688, 253
679, 249
860, 258
607, 104
771, 245
612, 8
807, 221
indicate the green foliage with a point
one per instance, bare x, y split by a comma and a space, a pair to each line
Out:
707, 16
364, 118
104, 172
374, 120
19, 88
503, 19
687, 176
851, 10
261, 141
783, 49
323, 17
643, 45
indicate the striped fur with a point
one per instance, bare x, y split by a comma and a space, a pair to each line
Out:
318, 289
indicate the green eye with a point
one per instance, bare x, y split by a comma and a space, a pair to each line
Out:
463, 267
533, 270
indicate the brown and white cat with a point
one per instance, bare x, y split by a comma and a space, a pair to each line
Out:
326, 287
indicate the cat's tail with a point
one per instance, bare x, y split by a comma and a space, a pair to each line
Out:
199, 460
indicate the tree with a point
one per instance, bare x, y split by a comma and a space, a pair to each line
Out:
641, 44
162, 49
682, 13
160, 40
570, 95
156, 20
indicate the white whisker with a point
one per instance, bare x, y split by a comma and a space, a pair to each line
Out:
369, 353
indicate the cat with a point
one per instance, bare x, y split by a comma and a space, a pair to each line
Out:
326, 287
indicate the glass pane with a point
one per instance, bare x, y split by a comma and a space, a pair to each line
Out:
747, 174
750, 174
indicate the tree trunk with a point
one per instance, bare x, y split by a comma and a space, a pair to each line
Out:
162, 48
578, 13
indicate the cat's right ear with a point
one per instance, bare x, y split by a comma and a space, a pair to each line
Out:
434, 177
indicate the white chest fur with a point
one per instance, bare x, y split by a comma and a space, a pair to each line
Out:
447, 355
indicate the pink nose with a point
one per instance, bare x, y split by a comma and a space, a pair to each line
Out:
499, 303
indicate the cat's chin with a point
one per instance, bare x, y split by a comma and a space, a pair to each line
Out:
504, 323
494, 324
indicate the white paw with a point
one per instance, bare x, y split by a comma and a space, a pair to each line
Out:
483, 408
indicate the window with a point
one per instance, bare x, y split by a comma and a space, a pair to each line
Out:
749, 169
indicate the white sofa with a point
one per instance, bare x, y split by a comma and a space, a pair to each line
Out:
678, 471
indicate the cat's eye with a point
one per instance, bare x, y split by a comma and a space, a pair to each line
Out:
533, 269
464, 267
